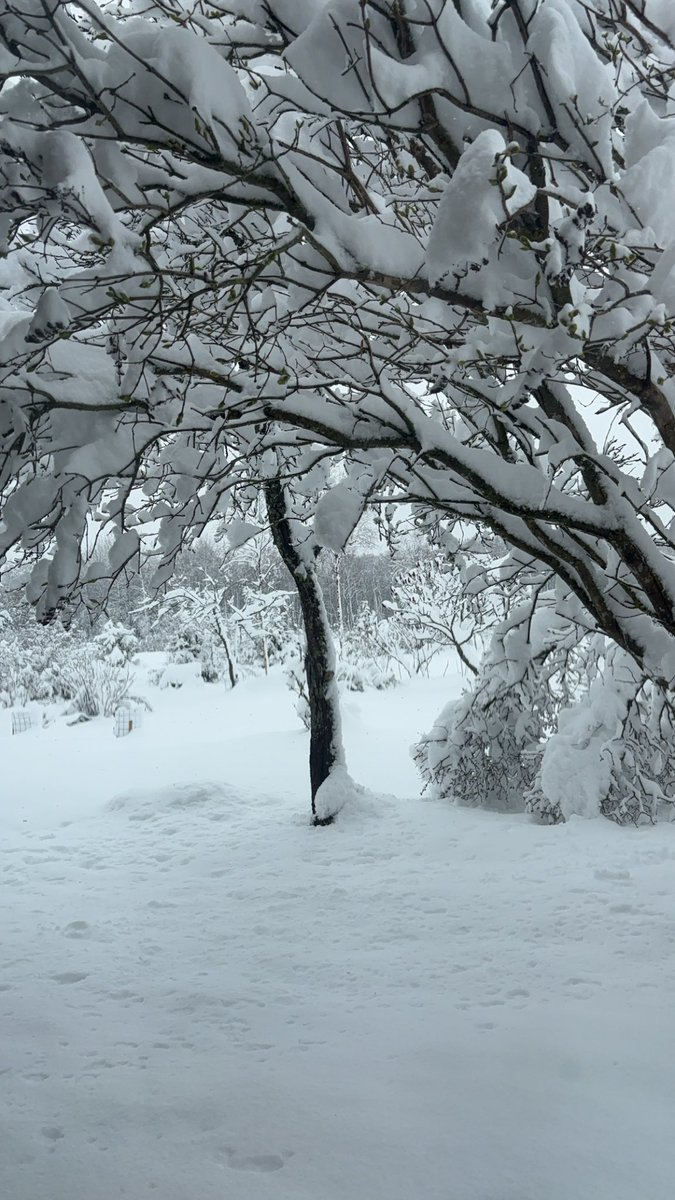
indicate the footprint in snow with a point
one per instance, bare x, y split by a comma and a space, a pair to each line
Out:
53, 1133
619, 874
256, 1162
70, 977
78, 929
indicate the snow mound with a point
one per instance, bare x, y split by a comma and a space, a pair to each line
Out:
176, 675
214, 800
341, 797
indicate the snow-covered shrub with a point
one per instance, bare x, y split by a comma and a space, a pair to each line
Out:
32, 661
116, 643
15, 687
429, 611
196, 642
97, 686
203, 632
260, 627
364, 673
485, 748
175, 675
211, 661
185, 644
558, 723
613, 753
369, 653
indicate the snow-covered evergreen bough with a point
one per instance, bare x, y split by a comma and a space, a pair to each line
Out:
432, 237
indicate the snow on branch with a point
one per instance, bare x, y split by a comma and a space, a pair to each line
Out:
431, 242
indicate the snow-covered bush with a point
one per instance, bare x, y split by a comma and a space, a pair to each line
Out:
185, 644
260, 627
212, 660
97, 687
613, 753
429, 612
116, 643
357, 675
201, 630
557, 723
197, 643
15, 685
32, 663
370, 655
485, 748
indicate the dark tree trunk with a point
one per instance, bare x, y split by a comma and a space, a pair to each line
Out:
230, 662
325, 746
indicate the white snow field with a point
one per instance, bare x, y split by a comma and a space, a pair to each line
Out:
204, 998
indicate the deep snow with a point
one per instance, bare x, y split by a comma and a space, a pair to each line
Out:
203, 998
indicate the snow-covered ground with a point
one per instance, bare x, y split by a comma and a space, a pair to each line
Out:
204, 998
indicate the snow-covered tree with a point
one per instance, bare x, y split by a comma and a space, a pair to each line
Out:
299, 549
432, 237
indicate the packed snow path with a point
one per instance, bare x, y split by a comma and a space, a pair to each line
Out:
203, 998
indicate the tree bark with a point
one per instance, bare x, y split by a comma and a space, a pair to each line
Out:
325, 741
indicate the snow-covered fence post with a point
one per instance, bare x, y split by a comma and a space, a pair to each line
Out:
124, 722
21, 721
